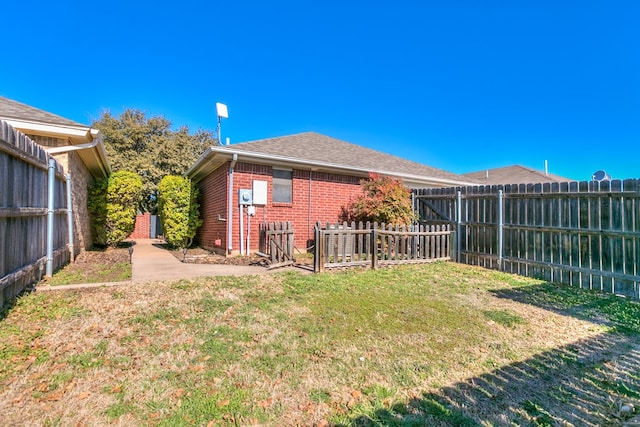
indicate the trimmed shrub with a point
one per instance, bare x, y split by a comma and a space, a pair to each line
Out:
113, 205
179, 210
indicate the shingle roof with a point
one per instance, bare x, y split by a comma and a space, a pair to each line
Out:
35, 122
312, 147
11, 109
514, 174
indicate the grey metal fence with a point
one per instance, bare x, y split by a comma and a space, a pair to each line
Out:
580, 233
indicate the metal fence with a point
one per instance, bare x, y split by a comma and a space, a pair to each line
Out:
28, 211
585, 234
357, 244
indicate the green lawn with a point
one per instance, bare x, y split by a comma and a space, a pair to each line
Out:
437, 344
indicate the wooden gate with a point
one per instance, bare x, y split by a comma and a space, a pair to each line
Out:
276, 243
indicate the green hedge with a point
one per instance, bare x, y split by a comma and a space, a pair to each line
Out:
179, 210
112, 205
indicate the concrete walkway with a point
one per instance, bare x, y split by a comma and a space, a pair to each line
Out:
151, 263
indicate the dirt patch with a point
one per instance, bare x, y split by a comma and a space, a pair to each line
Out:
203, 256
95, 257
95, 265
199, 255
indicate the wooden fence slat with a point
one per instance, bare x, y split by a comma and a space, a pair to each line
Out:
23, 209
378, 244
585, 234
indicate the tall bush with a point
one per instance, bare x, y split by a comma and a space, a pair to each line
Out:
179, 210
112, 205
383, 199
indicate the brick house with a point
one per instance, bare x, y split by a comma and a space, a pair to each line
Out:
79, 149
302, 178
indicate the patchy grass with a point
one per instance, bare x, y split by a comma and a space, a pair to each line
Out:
95, 266
438, 344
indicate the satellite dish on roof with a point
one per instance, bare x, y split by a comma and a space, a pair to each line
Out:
600, 176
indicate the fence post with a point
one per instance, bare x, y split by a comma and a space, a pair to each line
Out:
500, 229
451, 240
458, 225
319, 248
374, 246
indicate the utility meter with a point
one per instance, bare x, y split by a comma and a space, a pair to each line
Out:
245, 197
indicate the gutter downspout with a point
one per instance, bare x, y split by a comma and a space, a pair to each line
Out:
51, 200
229, 204
309, 211
67, 148
50, 209
70, 219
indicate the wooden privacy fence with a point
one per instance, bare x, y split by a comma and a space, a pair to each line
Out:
351, 244
25, 168
585, 234
276, 243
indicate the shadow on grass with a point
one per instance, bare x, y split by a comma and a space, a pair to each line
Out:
620, 313
8, 306
581, 384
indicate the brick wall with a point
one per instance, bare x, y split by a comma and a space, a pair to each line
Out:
213, 210
316, 197
142, 229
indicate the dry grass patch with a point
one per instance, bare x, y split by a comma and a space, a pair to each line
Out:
439, 344
98, 265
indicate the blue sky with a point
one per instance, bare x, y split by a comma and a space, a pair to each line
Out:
458, 85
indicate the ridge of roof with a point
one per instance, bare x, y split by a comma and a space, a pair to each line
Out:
315, 147
12, 109
514, 174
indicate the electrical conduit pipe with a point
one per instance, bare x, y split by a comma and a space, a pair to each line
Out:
232, 165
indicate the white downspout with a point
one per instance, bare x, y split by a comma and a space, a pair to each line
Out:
70, 219
50, 214
67, 148
51, 207
230, 205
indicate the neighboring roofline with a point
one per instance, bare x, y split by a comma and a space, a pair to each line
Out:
205, 165
513, 170
47, 129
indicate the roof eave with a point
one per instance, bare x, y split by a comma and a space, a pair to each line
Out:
92, 154
96, 161
79, 134
204, 165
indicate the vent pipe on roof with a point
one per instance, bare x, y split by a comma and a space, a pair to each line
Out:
546, 167
228, 141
